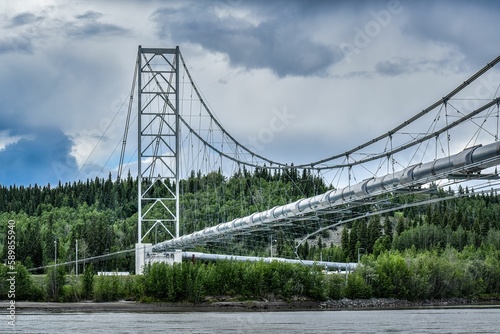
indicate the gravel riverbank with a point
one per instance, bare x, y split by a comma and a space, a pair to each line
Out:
237, 306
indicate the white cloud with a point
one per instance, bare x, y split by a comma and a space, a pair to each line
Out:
6, 139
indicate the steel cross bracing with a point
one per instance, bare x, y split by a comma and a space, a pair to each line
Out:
158, 143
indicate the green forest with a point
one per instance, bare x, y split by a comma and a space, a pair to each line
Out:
441, 250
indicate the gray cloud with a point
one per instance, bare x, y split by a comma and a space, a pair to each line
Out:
91, 29
23, 19
22, 41
394, 67
16, 45
88, 26
471, 28
404, 65
274, 43
89, 15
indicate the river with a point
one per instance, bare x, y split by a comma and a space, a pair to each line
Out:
456, 320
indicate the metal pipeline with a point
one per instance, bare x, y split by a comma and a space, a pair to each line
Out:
470, 160
217, 257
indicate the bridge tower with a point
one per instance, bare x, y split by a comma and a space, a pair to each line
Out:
158, 152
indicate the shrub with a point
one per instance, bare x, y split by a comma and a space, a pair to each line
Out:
335, 285
356, 287
71, 292
108, 288
88, 282
391, 276
55, 281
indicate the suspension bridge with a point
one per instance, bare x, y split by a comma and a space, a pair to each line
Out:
178, 134
454, 140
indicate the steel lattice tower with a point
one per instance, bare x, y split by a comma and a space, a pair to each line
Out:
158, 147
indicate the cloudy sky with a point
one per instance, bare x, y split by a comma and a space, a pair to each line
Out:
343, 72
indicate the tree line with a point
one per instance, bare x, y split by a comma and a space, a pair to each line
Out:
102, 213
427, 240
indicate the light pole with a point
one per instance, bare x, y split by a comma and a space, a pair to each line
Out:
55, 250
106, 262
358, 253
76, 264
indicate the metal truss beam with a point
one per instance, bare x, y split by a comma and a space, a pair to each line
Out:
158, 145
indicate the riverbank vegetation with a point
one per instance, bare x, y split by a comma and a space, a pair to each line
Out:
449, 249
410, 275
